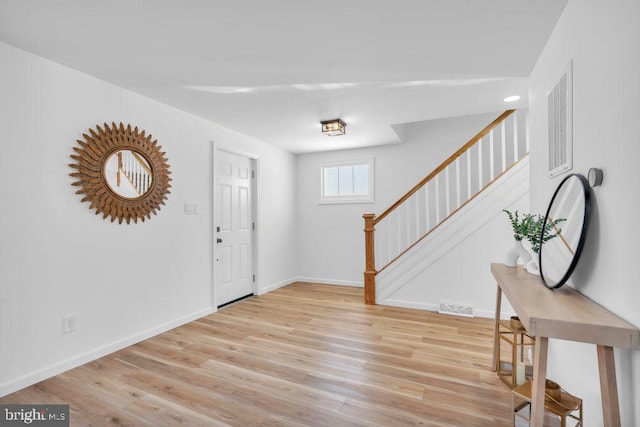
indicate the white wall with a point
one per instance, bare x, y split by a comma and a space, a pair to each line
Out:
603, 40
330, 237
58, 258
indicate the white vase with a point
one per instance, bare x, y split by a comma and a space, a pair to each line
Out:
517, 252
532, 267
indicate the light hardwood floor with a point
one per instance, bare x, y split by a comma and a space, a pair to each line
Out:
305, 354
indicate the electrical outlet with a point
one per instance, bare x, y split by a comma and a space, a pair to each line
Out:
70, 323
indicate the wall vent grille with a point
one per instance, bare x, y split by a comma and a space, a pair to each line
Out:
455, 309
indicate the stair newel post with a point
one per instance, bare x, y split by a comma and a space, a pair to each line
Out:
370, 259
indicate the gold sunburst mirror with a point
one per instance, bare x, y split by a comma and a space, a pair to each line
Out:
121, 172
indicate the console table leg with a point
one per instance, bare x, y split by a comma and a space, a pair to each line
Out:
496, 332
608, 386
539, 377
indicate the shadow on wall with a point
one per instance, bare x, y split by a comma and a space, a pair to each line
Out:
584, 271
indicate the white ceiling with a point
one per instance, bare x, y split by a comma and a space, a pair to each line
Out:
273, 69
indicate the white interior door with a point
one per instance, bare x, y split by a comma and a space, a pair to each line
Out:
233, 234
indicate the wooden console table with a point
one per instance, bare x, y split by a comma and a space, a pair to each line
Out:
564, 314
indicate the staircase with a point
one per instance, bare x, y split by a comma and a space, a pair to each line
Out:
457, 197
133, 176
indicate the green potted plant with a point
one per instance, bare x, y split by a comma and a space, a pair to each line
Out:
551, 231
529, 227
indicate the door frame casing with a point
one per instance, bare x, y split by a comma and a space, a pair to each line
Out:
255, 213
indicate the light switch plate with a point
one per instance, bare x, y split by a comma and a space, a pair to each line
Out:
190, 209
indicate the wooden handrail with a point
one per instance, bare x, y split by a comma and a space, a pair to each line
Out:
444, 164
142, 162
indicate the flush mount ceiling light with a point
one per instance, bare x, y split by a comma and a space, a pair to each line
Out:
512, 98
333, 127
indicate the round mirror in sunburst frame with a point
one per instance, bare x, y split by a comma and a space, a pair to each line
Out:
128, 174
121, 172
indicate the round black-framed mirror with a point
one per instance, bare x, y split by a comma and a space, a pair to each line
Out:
564, 230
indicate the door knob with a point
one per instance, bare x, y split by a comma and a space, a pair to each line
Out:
218, 240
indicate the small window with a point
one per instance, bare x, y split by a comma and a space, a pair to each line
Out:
347, 182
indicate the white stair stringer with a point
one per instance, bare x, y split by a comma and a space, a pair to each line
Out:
504, 191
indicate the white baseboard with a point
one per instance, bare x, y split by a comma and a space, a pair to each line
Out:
74, 362
409, 304
275, 286
489, 314
330, 282
309, 280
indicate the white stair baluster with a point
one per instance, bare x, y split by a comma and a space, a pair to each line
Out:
133, 173
407, 215
480, 164
447, 194
426, 204
515, 136
458, 184
385, 244
503, 135
491, 159
398, 233
437, 185
138, 176
468, 154
417, 210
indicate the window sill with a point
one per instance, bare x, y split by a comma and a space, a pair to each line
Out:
344, 201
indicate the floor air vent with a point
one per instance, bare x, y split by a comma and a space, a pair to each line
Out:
455, 309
